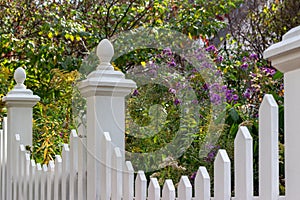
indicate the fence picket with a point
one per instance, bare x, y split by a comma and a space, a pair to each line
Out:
57, 178
222, 176
66, 172
105, 167
140, 186
243, 161
37, 182
184, 189
128, 181
4, 158
153, 189
73, 165
31, 179
27, 175
50, 180
168, 192
268, 149
16, 144
202, 184
2, 163
116, 174
21, 171
82, 159
44, 173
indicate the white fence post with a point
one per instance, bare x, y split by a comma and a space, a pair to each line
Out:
268, 149
19, 102
285, 56
243, 162
222, 176
105, 90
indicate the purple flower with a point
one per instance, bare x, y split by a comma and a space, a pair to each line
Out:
215, 99
228, 95
135, 92
211, 48
244, 59
172, 91
235, 97
247, 93
219, 59
177, 101
205, 86
253, 56
195, 101
167, 51
172, 63
207, 65
244, 66
193, 176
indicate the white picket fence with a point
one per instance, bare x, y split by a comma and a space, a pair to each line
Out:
93, 166
66, 177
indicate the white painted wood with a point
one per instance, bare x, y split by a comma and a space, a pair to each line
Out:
285, 57
4, 166
105, 167
117, 169
27, 175
73, 165
153, 189
19, 102
184, 188
44, 182
15, 175
82, 168
31, 179
243, 162
105, 90
65, 172
2, 163
168, 192
222, 176
37, 182
128, 181
268, 149
21, 171
140, 186
50, 180
58, 178
202, 184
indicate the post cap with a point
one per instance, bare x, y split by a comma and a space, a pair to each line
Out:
19, 96
285, 55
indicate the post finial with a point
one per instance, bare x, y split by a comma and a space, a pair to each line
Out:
105, 52
20, 76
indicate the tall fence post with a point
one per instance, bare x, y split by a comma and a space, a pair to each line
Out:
19, 102
105, 90
285, 56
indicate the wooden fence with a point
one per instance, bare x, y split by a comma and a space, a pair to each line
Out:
93, 166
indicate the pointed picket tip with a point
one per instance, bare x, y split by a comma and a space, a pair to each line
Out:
222, 156
243, 134
58, 159
51, 165
66, 147
128, 167
45, 168
268, 101
73, 133
39, 167
202, 173
117, 152
141, 176
107, 136
168, 192
185, 182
